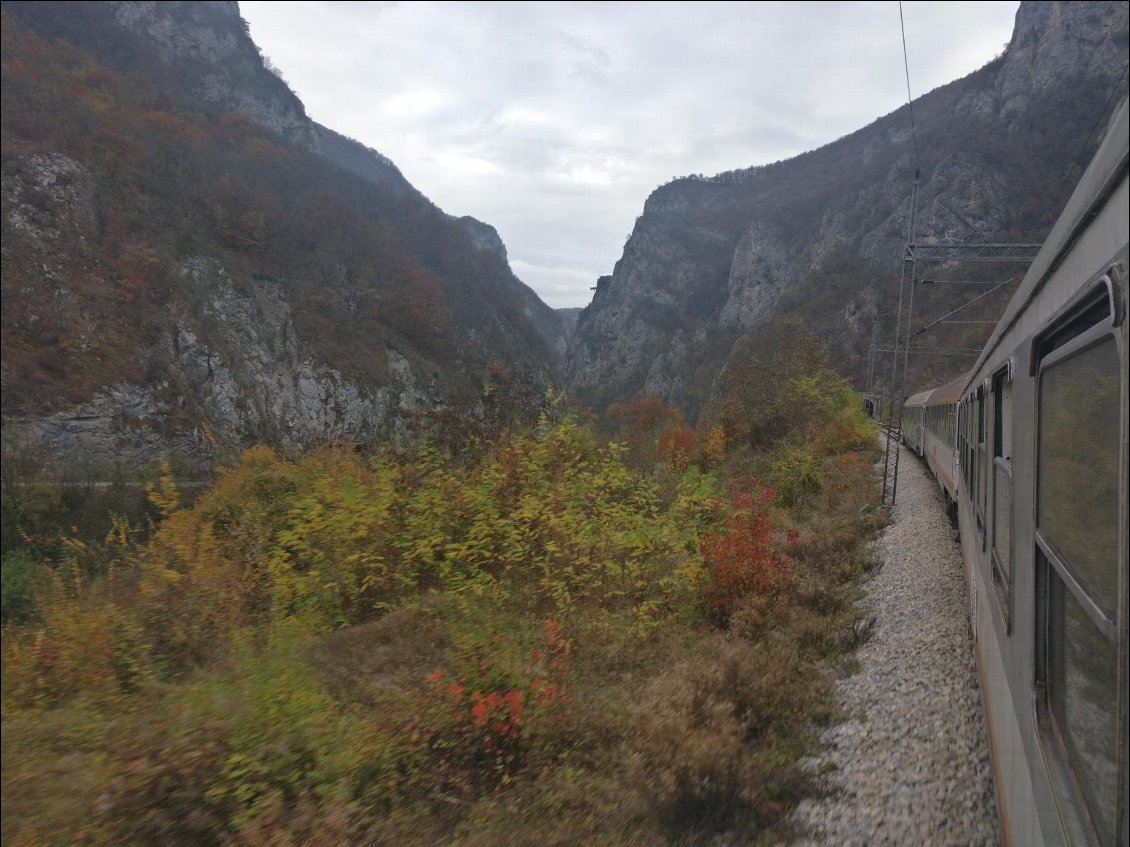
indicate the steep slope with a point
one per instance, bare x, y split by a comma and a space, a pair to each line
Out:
819, 236
191, 263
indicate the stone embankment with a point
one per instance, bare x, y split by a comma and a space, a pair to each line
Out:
909, 765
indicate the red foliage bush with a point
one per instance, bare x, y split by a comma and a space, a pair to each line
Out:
741, 563
492, 733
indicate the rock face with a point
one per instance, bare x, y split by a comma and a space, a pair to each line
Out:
256, 380
209, 39
49, 196
820, 236
125, 339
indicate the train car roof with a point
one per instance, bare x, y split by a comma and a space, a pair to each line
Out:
949, 392
1104, 182
918, 399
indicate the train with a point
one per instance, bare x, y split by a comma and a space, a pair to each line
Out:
930, 430
1029, 449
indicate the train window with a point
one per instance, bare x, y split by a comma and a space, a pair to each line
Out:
1078, 478
962, 463
969, 413
1002, 493
974, 412
982, 468
1077, 522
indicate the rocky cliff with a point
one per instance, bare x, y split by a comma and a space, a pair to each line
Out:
819, 236
192, 264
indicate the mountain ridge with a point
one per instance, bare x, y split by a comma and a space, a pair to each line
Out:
193, 264
819, 236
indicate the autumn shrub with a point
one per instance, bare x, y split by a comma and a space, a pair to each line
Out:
741, 562
796, 474
562, 524
714, 741
778, 386
675, 448
82, 642
334, 561
712, 444
283, 725
640, 424
206, 573
159, 782
830, 552
408, 647
19, 574
492, 735
506, 693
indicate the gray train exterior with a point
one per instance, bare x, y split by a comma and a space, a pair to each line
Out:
939, 437
913, 419
1041, 479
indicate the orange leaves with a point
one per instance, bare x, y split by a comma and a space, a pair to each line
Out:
740, 562
177, 127
552, 633
642, 422
675, 448
499, 715
713, 448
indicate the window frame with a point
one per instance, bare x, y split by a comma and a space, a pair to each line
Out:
980, 461
1002, 571
1089, 339
1070, 796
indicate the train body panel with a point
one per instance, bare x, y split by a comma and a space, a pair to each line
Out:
1032, 445
913, 419
939, 436
1010, 761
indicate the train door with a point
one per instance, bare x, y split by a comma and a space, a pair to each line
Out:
980, 470
1001, 500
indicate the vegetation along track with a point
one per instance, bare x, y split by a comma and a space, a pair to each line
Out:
910, 764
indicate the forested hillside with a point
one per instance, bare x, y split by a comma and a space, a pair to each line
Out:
191, 264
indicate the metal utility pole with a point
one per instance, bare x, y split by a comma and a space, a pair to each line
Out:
894, 416
871, 357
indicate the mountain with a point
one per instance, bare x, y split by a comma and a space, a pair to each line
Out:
819, 237
192, 264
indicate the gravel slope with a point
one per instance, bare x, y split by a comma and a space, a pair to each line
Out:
910, 765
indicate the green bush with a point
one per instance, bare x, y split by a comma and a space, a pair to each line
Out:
20, 573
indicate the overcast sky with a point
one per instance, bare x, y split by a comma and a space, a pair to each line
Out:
554, 121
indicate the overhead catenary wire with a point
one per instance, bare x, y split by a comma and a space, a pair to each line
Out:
909, 97
962, 306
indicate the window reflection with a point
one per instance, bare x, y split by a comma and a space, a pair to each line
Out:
1084, 689
1079, 440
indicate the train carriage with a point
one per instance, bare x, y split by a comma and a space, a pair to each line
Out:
940, 436
913, 420
1038, 464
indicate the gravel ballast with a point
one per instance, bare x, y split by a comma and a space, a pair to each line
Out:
910, 763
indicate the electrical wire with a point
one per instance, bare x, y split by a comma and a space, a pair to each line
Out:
909, 98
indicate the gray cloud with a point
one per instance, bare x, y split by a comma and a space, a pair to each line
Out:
553, 121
